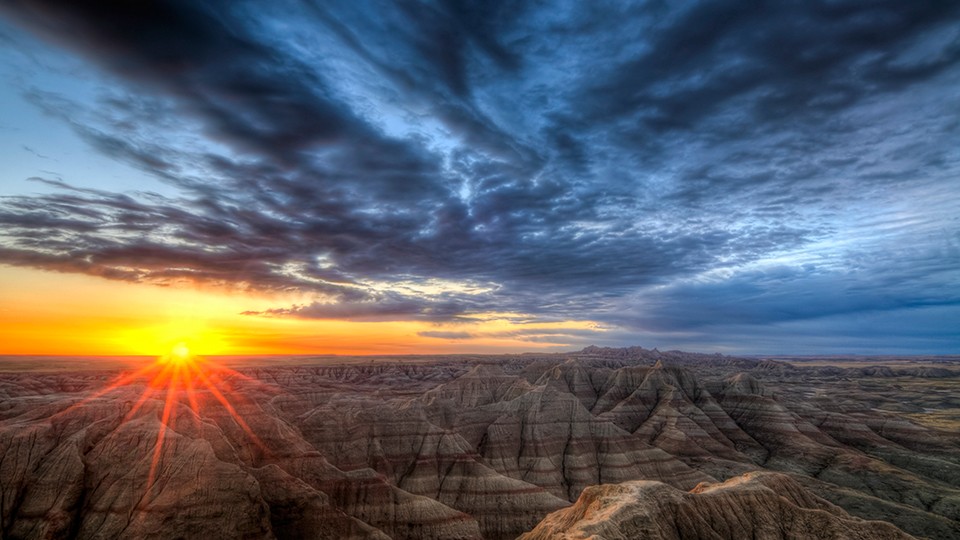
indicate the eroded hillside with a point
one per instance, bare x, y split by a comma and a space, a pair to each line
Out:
485, 447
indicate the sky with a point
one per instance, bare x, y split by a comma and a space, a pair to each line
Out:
439, 177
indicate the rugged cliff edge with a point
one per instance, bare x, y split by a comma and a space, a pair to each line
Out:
760, 505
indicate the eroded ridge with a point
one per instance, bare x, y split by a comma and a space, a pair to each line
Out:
485, 447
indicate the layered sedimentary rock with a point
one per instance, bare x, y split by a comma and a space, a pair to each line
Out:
481, 447
763, 506
86, 472
421, 458
545, 436
549, 439
797, 445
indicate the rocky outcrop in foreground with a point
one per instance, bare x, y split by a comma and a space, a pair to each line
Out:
760, 505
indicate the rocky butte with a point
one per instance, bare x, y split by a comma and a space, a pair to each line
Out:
601, 443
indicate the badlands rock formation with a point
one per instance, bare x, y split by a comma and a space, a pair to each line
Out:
762, 506
486, 447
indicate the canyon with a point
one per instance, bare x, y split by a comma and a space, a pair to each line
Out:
599, 443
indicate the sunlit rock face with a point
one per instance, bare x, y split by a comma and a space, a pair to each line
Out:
764, 506
610, 442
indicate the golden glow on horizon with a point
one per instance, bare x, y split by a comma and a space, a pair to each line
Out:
180, 354
47, 313
167, 335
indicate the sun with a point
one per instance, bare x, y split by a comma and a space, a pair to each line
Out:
180, 353
185, 383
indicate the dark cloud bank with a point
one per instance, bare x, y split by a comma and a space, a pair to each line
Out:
758, 176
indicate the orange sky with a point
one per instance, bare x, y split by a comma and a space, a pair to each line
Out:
67, 314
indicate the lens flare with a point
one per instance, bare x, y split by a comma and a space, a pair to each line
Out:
179, 377
180, 353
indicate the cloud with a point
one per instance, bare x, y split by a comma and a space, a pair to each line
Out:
644, 165
381, 307
775, 62
439, 334
779, 295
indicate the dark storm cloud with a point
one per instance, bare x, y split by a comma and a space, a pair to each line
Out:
247, 94
779, 295
437, 51
439, 334
376, 307
536, 335
649, 165
789, 60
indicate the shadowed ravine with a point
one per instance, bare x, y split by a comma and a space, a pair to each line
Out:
488, 447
